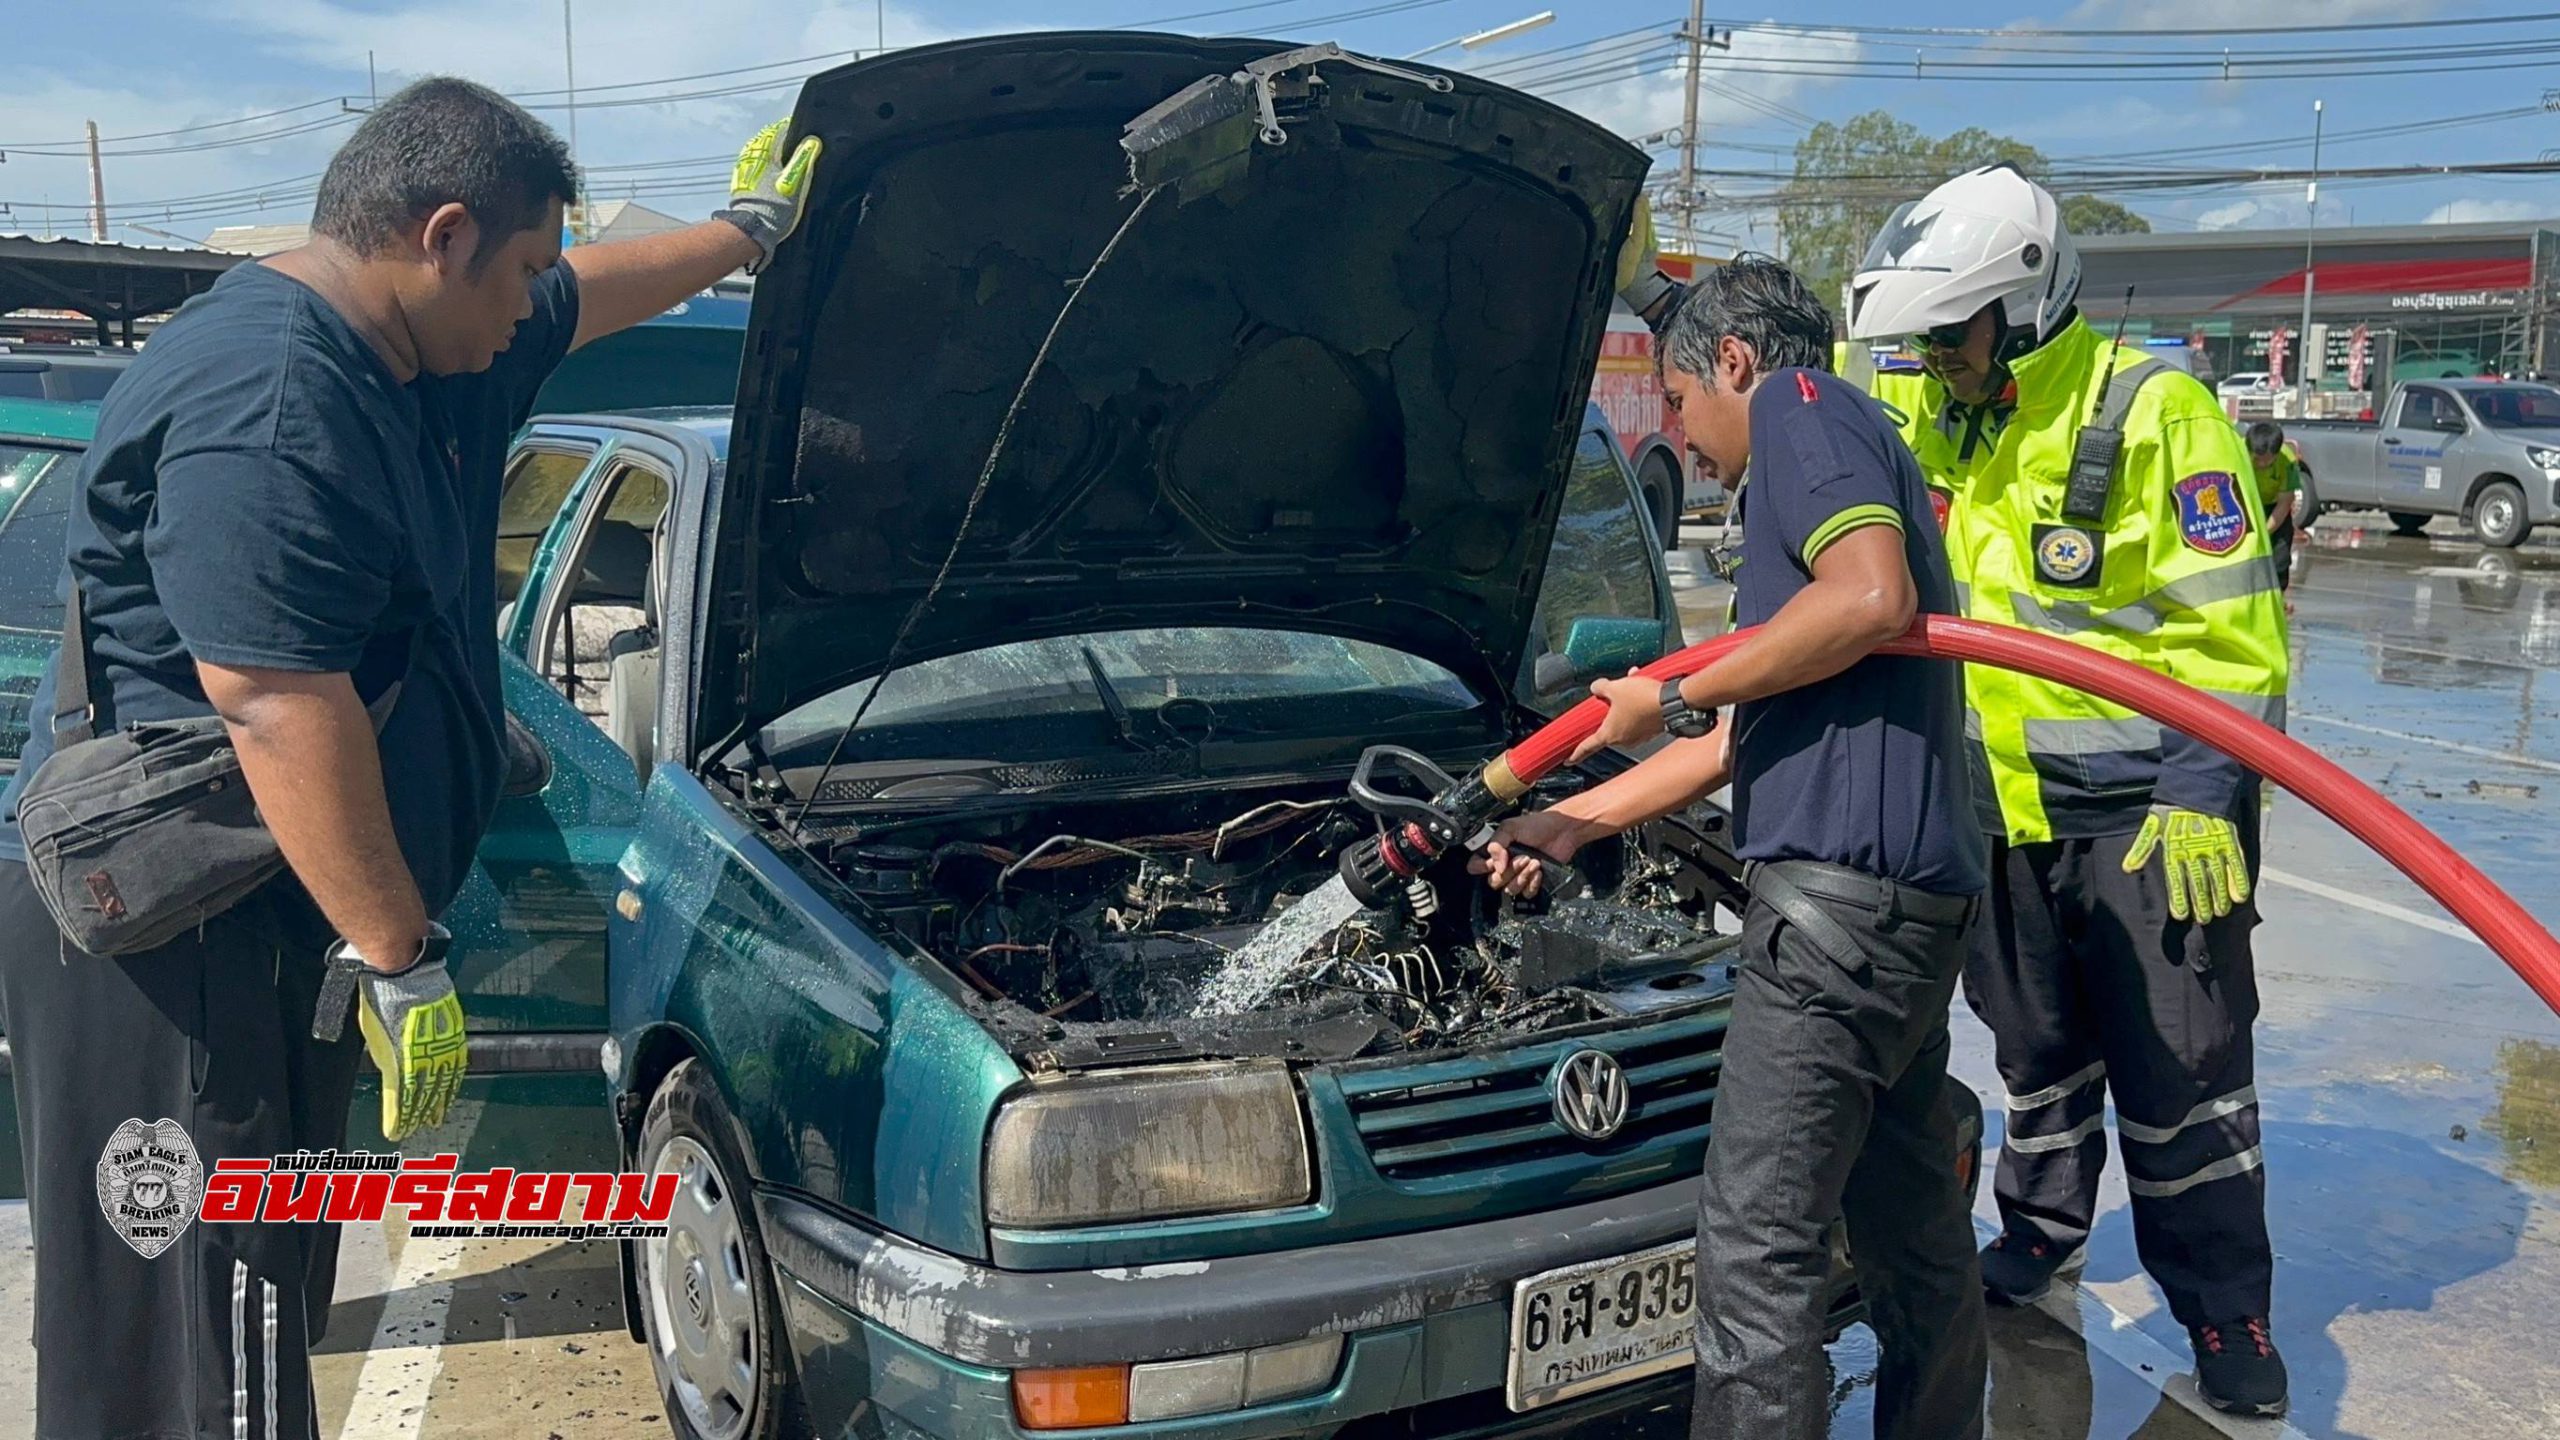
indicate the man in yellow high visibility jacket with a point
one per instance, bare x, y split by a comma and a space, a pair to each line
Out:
2098, 495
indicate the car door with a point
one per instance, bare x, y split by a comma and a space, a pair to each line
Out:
529, 924
1605, 602
2413, 449
36, 482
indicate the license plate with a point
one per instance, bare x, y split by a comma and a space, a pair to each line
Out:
1606, 1322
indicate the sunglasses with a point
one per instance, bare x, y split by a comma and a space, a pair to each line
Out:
1943, 337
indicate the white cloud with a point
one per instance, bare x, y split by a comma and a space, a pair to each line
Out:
2234, 216
2470, 211
2219, 14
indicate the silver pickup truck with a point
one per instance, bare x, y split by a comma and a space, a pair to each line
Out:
2487, 450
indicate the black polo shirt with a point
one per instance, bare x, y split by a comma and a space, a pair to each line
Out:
263, 493
1866, 769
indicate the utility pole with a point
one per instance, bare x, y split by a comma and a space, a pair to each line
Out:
569, 57
2310, 223
97, 190
372, 87
1689, 127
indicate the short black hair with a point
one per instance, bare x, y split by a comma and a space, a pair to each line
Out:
2265, 437
436, 142
1757, 301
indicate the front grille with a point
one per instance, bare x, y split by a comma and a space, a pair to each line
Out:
1475, 1112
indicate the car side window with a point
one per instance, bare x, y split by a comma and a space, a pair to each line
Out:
1598, 608
601, 598
539, 480
2423, 408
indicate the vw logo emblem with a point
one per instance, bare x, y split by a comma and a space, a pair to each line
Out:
1590, 1095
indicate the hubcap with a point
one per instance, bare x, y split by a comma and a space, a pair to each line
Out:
701, 1305
2500, 513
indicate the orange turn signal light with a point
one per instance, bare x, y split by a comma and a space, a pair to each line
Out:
1071, 1399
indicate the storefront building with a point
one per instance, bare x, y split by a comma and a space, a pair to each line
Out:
2389, 303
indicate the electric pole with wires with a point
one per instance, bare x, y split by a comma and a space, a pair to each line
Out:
1689, 128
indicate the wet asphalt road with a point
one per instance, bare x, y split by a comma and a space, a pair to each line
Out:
2410, 1087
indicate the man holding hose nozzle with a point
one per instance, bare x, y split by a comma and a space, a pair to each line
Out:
1865, 868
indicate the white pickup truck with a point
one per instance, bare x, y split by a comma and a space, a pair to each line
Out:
2486, 450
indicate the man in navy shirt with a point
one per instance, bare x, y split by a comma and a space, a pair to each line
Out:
1854, 816
290, 509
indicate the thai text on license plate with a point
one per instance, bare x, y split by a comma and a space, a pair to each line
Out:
1605, 1322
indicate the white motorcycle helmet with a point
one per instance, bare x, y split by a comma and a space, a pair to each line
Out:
1989, 236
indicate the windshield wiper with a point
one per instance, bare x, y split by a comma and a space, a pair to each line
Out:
1119, 709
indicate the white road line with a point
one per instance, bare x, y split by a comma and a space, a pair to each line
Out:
2368, 904
2102, 1329
408, 1342
2507, 757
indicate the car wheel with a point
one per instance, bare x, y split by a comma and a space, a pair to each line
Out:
2499, 515
1659, 481
2408, 522
707, 1303
2306, 506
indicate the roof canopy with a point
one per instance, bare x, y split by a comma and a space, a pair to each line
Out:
111, 284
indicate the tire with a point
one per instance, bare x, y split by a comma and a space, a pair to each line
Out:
2306, 506
707, 1306
1659, 482
2407, 522
2499, 515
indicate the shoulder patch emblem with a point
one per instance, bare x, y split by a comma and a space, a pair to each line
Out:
1940, 504
2210, 516
2067, 555
1804, 387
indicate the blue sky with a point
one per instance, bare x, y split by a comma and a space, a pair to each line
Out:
225, 60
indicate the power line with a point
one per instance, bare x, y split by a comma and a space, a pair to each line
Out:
2335, 28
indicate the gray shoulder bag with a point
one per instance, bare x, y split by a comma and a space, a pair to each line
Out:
137, 836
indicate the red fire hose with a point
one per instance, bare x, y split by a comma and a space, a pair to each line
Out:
2456, 884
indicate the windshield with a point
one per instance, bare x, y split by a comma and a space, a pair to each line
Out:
1042, 696
2516, 407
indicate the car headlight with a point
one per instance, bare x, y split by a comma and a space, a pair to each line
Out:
1148, 1145
2543, 457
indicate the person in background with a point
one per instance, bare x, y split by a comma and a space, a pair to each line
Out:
2100, 496
2279, 477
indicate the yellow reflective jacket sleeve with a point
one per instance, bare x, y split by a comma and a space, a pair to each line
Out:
2213, 617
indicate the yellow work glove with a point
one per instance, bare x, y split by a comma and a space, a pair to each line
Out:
2208, 875
412, 1026
765, 191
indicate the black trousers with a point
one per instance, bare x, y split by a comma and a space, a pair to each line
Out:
209, 1338
2090, 989
1833, 1103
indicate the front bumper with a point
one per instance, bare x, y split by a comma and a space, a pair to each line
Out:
928, 1341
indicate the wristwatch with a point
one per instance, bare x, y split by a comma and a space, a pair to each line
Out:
1679, 719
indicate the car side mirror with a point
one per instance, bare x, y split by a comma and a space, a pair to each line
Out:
2451, 424
1597, 646
528, 761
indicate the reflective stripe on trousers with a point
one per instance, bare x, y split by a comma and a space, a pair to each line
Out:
2239, 1106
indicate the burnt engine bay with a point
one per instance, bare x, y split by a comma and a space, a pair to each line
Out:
1091, 938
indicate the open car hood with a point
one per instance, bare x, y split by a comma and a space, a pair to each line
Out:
1331, 383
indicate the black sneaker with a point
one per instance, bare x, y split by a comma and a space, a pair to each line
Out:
2238, 1369
2019, 1272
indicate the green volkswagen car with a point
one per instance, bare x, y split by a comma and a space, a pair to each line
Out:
910, 757
1140, 433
